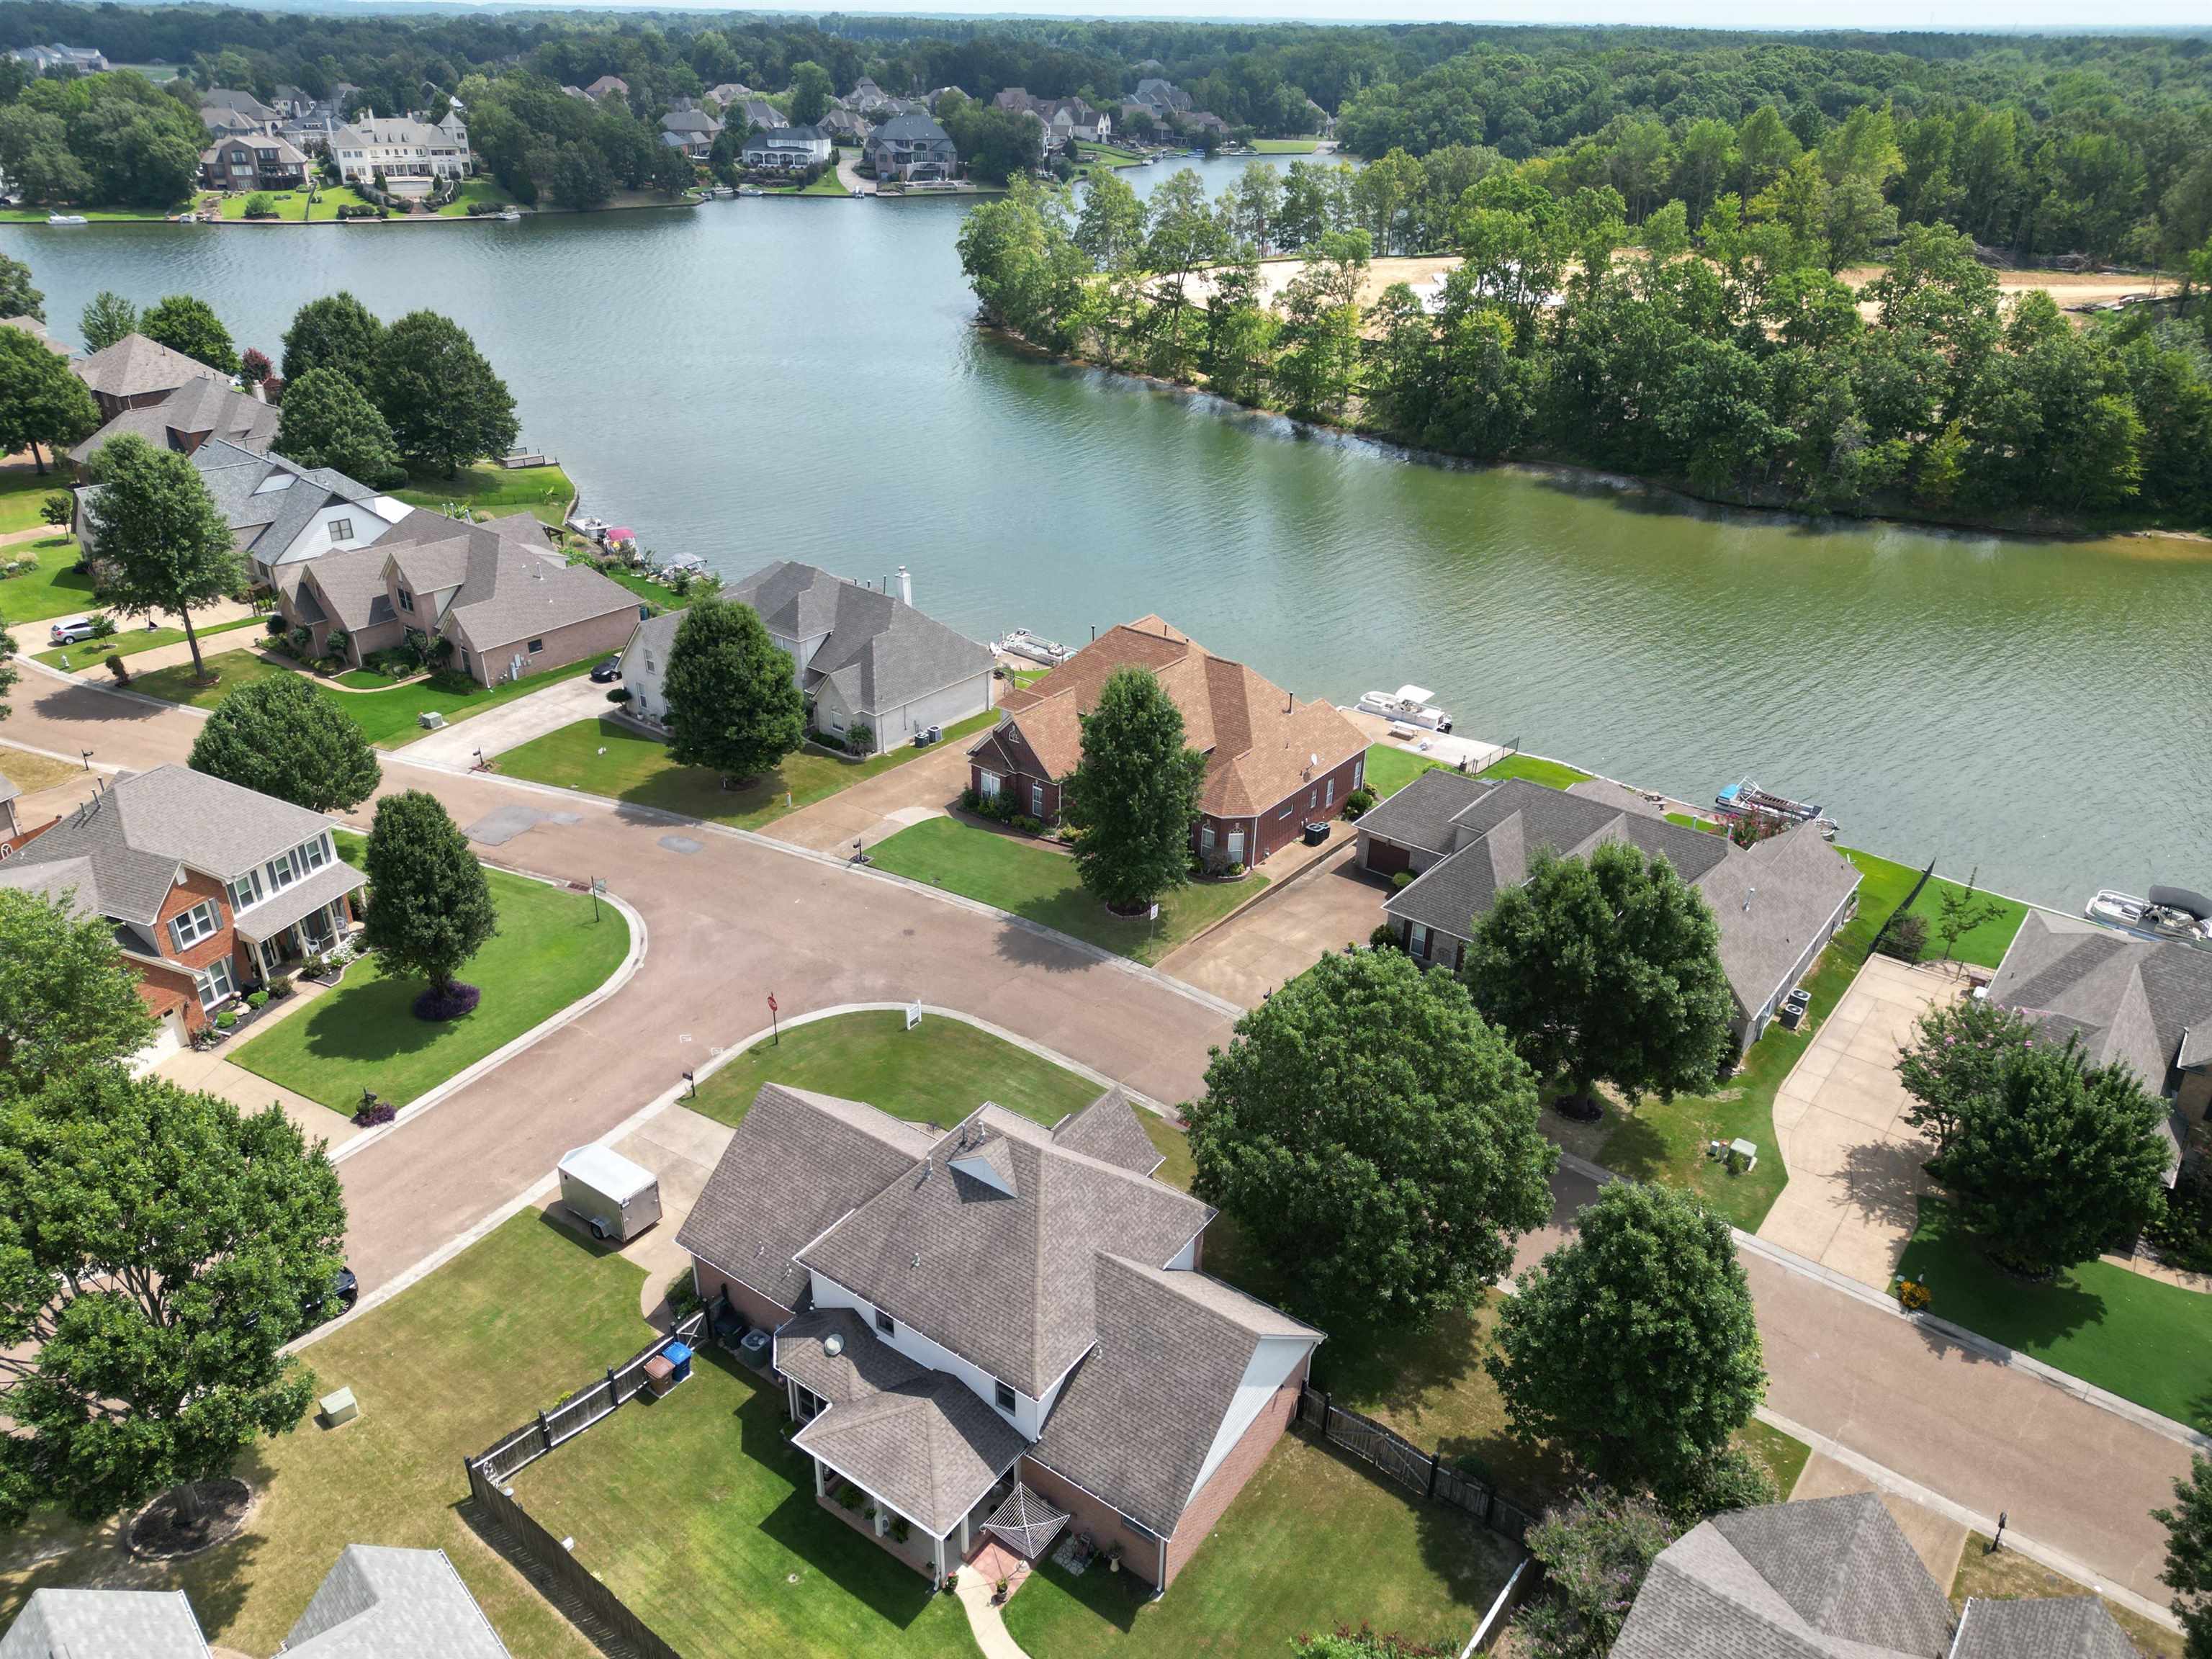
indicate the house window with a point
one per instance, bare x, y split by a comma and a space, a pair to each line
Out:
1328, 796
246, 891
649, 667
214, 983
986, 785
1006, 1399
406, 600
316, 853
1206, 840
195, 925
341, 530
1037, 800
1358, 771
1417, 940
885, 1323
467, 667
536, 645
281, 872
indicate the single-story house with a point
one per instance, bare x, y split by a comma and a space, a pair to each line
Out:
999, 1329
908, 147
863, 656
2144, 1004
1273, 763
1835, 1578
511, 604
252, 162
280, 514
81, 60
1465, 840
204, 407
791, 148
209, 887
394, 1603
135, 370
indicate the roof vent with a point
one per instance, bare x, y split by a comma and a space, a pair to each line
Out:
834, 1344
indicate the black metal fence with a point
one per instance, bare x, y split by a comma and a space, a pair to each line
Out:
1424, 1472
588, 1602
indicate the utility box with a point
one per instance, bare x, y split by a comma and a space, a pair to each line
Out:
618, 1199
339, 1407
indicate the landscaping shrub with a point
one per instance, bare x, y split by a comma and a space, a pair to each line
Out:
1912, 1296
1357, 804
433, 1005
619, 695
280, 987
337, 645
861, 740
261, 205
275, 625
1401, 881
226, 1019
372, 1111
1906, 937
1366, 1643
1384, 938
1731, 1479
848, 1496
682, 1294
57, 510
103, 627
120, 669
1025, 824
1236, 871
2182, 1232
257, 999
1594, 1551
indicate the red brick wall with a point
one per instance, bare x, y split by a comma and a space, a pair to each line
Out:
1016, 787
1227, 1478
1282, 823
223, 942
1141, 1555
756, 1309
163, 989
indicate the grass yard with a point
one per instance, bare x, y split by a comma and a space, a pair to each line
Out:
2142, 1339
1315, 1540
32, 773
1390, 768
2007, 1574
294, 206
22, 492
1042, 887
1108, 156
473, 191
548, 953
492, 492
1553, 774
1689, 822
510, 1326
696, 1510
1785, 1457
1286, 146
937, 1073
54, 589
128, 641
605, 758
365, 679
637, 581
37, 215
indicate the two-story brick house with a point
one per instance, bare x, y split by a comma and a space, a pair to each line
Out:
209, 887
252, 162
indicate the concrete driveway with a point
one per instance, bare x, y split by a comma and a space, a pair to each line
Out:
1854, 1163
924, 788
513, 724
1285, 930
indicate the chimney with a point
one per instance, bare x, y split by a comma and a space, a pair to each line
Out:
906, 586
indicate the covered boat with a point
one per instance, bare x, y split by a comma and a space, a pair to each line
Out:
1409, 705
1020, 642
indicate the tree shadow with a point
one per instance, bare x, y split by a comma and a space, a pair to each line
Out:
1883, 1179
1021, 947
870, 1574
370, 1021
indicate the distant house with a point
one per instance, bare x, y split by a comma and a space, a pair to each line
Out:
1835, 1577
400, 148
79, 60
790, 149
730, 92
866, 96
999, 1329
280, 514
755, 113
1272, 763
242, 105
253, 162
1203, 121
1324, 124
293, 101
228, 123
209, 887
910, 148
607, 86
693, 131
843, 126
937, 95
203, 407
1467, 840
136, 371
393, 1603
1163, 98
862, 657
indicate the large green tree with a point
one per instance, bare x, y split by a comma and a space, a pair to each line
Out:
734, 698
157, 1251
108, 317
2048, 1159
1633, 1348
1606, 968
335, 332
2189, 1555
1134, 794
157, 532
17, 297
283, 737
812, 89
446, 407
42, 404
67, 1002
1374, 1141
429, 906
326, 420
186, 323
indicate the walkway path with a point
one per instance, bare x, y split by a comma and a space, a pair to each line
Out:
974, 1590
732, 917
512, 724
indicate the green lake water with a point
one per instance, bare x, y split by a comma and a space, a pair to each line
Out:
761, 380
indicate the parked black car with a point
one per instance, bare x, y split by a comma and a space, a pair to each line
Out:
603, 671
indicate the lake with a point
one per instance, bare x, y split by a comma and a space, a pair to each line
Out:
758, 380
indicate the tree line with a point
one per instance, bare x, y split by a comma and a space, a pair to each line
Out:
1731, 358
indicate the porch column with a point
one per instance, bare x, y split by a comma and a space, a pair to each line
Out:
936, 1551
882, 1519
963, 1538
790, 1396
821, 1488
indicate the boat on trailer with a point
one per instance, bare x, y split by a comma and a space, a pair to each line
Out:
1408, 705
2171, 914
1020, 642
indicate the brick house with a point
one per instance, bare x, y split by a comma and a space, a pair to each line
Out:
970, 1325
1273, 763
136, 371
209, 887
252, 162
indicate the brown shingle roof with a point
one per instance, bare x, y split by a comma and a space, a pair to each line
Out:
135, 366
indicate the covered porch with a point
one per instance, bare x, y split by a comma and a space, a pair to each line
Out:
307, 919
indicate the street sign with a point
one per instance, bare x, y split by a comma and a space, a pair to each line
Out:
775, 1025
913, 1015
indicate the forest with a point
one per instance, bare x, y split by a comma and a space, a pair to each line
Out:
1730, 358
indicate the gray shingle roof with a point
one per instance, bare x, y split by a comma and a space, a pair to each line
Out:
1003, 1279
202, 405
929, 1448
509, 589
797, 1163
352, 587
1109, 1130
135, 366
8, 787
131, 839
280, 910
860, 1366
879, 652
1420, 813
266, 500
383, 1603
2059, 1627
105, 1624
1135, 1422
2134, 1002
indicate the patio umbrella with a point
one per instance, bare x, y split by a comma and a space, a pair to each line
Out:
1026, 1522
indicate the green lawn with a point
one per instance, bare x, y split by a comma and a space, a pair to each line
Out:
293, 207
606, 757
37, 215
1286, 146
2144, 1341
441, 1371
1390, 768
1041, 885
937, 1073
365, 679
549, 952
1690, 822
1110, 156
653, 593
1785, 1457
1986, 945
128, 641
492, 492
475, 191
54, 589
1551, 774
23, 491
388, 717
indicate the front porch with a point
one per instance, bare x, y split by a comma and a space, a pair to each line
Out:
931, 1556
308, 918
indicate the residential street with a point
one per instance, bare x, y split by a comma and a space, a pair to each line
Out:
731, 919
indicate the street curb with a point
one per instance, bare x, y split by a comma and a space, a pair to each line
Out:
32, 665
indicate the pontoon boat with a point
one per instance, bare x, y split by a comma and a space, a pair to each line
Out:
1409, 704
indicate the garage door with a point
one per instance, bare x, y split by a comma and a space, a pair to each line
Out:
168, 1039
1386, 858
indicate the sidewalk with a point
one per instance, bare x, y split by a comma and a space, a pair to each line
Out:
212, 1072
34, 637
513, 724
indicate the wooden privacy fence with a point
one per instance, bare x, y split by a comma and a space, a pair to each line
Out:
1424, 1472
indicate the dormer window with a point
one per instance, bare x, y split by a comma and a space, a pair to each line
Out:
885, 1323
406, 600
341, 530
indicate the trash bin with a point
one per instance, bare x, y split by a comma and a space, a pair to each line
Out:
678, 1355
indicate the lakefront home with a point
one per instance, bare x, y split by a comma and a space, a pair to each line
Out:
252, 162
204, 407
999, 1331
134, 371
401, 148
1465, 840
791, 150
1273, 763
909, 148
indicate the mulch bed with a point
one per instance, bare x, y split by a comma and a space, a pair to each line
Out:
451, 1004
162, 1531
